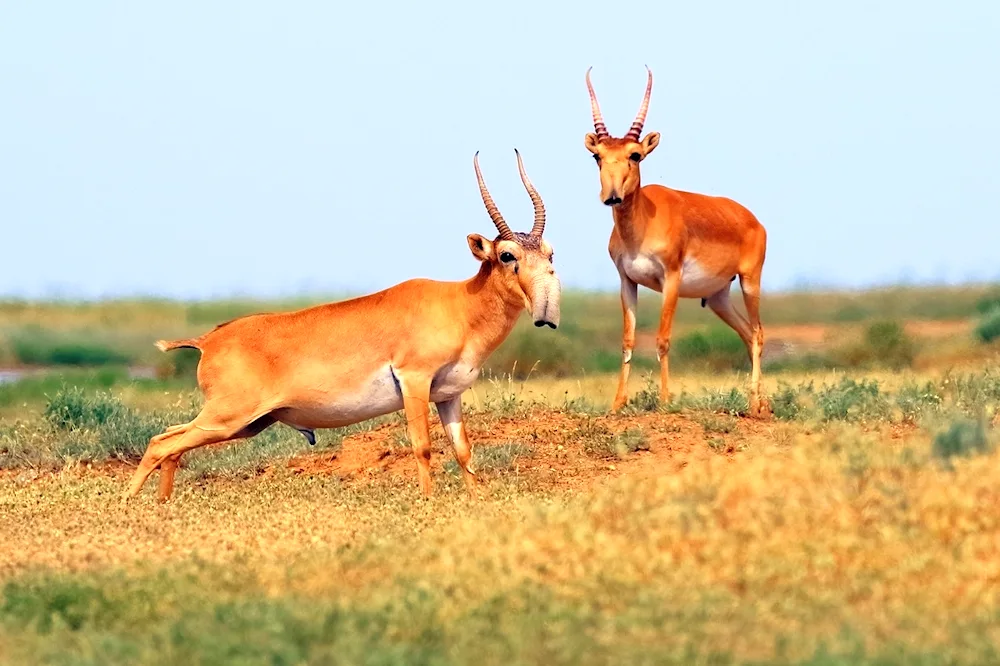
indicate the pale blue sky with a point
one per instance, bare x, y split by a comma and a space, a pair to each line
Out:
194, 149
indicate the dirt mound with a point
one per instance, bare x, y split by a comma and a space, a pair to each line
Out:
558, 449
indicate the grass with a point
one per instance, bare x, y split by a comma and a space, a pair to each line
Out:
813, 555
855, 528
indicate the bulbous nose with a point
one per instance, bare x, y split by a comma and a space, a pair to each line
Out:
543, 322
613, 200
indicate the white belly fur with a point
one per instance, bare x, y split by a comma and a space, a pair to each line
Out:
452, 380
645, 270
379, 395
696, 282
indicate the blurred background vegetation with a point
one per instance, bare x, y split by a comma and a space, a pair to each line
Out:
893, 328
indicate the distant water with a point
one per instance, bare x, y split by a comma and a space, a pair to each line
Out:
10, 375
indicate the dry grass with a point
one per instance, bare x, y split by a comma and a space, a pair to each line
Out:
858, 527
709, 539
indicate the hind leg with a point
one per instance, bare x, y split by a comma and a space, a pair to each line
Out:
750, 285
168, 468
724, 309
214, 424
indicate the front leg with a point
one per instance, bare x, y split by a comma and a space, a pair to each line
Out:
450, 412
416, 403
630, 297
671, 292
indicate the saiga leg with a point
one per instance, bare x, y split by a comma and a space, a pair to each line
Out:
750, 285
450, 412
723, 307
416, 402
214, 424
168, 468
671, 292
630, 298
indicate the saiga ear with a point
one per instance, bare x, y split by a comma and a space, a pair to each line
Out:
591, 141
651, 141
482, 249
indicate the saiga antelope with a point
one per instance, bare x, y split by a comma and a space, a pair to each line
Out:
331, 365
682, 244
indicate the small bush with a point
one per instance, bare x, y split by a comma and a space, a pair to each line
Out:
601, 442
733, 402
97, 426
499, 457
785, 403
915, 401
988, 328
715, 423
975, 393
647, 399
962, 438
890, 345
852, 401
885, 344
988, 303
73, 408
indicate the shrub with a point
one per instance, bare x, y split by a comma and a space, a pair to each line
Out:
72, 408
988, 303
600, 442
646, 399
988, 328
785, 403
852, 401
914, 401
98, 426
889, 345
962, 438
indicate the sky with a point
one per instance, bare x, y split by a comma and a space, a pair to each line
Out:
200, 150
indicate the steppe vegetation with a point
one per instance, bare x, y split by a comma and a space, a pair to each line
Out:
858, 526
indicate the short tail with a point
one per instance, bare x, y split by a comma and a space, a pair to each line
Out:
167, 345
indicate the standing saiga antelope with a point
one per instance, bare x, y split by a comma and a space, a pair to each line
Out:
332, 365
682, 244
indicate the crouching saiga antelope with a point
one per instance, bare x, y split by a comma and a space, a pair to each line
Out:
682, 244
332, 365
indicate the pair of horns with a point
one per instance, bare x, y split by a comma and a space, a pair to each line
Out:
640, 118
536, 200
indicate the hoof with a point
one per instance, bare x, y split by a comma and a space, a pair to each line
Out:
761, 409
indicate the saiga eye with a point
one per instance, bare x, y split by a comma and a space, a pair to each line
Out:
506, 257
635, 157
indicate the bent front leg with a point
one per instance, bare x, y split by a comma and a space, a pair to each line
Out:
630, 298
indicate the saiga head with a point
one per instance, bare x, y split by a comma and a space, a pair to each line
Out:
618, 159
523, 262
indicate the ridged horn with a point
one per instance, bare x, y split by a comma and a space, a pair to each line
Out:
491, 208
536, 199
595, 109
640, 118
